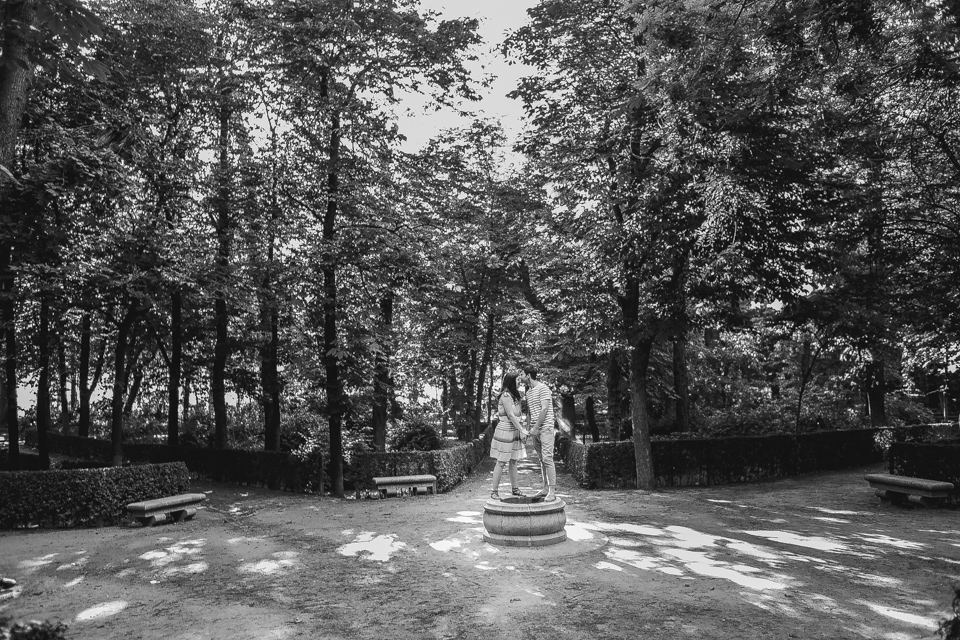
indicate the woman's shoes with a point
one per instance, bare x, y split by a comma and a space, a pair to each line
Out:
516, 492
495, 495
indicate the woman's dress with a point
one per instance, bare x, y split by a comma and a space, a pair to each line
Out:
506, 444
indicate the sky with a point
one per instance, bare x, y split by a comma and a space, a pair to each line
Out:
497, 18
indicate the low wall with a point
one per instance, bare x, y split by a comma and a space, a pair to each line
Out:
271, 469
702, 461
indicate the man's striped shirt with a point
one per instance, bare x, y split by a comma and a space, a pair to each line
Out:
537, 396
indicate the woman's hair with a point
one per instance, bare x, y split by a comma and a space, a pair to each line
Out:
510, 386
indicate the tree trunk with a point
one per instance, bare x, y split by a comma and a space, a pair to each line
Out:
138, 368
806, 368
87, 385
589, 410
444, 409
615, 395
175, 368
485, 362
187, 385
83, 425
876, 390
270, 375
8, 311
221, 318
639, 367
568, 413
62, 378
381, 378
16, 77
119, 383
336, 400
43, 380
681, 383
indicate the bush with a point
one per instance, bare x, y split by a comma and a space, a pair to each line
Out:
416, 436
33, 630
450, 465
930, 460
708, 461
299, 471
949, 629
83, 497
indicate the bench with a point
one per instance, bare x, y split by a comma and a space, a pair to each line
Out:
169, 509
899, 489
392, 486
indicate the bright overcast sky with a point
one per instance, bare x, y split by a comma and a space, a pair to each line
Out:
497, 17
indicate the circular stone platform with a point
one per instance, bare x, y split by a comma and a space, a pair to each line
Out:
523, 522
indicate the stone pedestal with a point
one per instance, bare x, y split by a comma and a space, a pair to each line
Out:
521, 522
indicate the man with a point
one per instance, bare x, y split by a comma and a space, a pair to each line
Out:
541, 427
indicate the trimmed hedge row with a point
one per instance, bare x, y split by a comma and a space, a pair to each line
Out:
689, 462
932, 460
271, 469
450, 465
84, 497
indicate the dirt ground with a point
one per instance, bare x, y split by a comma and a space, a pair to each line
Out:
814, 556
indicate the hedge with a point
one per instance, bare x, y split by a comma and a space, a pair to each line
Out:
271, 469
450, 465
84, 497
931, 460
691, 461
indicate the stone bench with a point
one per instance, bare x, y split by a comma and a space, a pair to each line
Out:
899, 489
393, 485
169, 509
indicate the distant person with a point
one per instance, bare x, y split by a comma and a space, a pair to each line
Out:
542, 429
507, 445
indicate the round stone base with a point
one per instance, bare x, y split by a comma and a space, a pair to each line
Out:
523, 522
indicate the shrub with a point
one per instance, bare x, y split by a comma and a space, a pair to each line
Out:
33, 630
299, 471
449, 464
706, 461
83, 497
949, 629
930, 460
416, 436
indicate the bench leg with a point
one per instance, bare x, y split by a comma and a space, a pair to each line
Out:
183, 514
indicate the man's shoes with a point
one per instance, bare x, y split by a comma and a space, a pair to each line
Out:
549, 497
540, 495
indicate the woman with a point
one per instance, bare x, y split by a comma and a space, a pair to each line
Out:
507, 445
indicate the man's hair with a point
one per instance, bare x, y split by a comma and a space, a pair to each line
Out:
531, 371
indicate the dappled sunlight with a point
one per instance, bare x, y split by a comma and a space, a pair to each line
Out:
831, 520
811, 542
925, 621
839, 512
74, 582
467, 517
103, 610
159, 558
279, 561
192, 568
29, 566
79, 563
367, 545
608, 566
877, 538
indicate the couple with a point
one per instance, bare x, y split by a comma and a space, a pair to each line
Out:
508, 438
